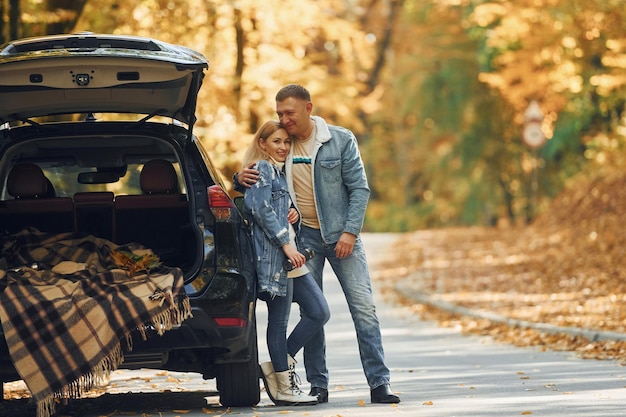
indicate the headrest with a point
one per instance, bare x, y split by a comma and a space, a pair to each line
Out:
158, 177
50, 191
27, 181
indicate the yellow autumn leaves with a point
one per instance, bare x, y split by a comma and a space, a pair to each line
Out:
136, 261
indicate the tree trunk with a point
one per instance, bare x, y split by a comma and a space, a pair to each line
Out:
64, 25
14, 19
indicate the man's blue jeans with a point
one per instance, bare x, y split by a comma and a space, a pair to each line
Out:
353, 275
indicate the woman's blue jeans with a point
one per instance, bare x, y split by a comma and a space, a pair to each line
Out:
308, 295
353, 275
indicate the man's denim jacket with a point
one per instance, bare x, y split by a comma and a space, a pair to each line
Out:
339, 181
266, 205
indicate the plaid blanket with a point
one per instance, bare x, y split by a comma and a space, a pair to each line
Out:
66, 331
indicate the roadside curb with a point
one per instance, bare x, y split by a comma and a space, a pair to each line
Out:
590, 334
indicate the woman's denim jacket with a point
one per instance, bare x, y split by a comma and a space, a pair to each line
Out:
266, 205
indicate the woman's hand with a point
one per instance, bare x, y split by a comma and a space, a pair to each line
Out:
292, 216
297, 259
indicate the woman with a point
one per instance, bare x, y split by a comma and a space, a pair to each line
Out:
268, 207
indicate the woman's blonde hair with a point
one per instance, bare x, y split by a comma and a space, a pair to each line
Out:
254, 151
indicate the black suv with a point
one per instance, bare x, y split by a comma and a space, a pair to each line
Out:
108, 121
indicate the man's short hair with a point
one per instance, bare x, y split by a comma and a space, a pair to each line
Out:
293, 90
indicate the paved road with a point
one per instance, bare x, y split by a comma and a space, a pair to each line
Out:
437, 372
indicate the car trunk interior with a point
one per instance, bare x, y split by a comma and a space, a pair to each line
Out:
123, 189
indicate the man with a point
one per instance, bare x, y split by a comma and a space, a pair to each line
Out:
327, 177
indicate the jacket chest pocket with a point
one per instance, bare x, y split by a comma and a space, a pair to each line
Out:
279, 194
331, 170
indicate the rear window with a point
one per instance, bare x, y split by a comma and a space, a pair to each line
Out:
65, 180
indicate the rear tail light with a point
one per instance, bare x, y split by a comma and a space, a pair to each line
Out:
220, 204
230, 321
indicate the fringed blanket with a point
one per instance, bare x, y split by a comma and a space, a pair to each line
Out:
66, 330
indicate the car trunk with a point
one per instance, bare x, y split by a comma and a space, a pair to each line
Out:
123, 187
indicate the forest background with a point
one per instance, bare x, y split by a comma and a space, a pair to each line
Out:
435, 90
